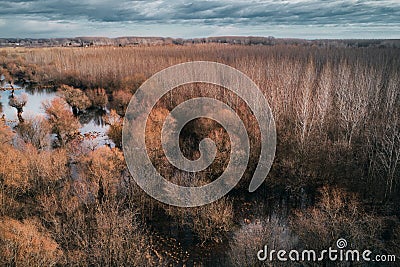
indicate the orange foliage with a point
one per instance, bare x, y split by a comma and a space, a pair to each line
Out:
103, 168
121, 100
63, 122
115, 130
24, 244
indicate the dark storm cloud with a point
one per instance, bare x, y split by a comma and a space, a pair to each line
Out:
316, 12
97, 14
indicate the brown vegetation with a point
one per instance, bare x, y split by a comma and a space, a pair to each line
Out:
61, 120
22, 244
120, 101
338, 214
98, 97
336, 172
115, 130
77, 99
35, 131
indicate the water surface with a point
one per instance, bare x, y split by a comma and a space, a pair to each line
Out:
92, 124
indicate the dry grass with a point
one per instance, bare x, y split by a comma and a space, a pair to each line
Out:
337, 115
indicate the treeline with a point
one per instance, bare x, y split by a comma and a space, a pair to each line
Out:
232, 40
337, 113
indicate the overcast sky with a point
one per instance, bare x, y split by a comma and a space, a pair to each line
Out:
188, 18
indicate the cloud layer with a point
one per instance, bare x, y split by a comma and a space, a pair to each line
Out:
183, 18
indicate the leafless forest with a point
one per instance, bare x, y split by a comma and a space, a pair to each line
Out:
336, 173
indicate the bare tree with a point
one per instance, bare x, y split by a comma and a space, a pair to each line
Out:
305, 103
18, 102
384, 139
253, 236
120, 239
338, 214
36, 131
352, 96
326, 84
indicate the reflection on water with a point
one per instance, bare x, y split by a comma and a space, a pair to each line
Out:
93, 116
2, 80
91, 121
94, 128
32, 108
35, 90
